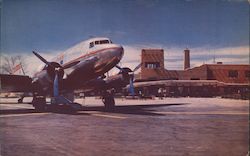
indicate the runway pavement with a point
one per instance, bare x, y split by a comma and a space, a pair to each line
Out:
172, 126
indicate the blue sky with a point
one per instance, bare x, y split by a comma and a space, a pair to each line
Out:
55, 25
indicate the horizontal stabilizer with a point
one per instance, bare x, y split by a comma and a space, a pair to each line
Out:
15, 83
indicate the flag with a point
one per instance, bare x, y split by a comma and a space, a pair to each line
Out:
16, 68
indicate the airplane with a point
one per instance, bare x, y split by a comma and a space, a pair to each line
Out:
81, 67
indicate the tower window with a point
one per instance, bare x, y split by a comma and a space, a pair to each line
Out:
152, 65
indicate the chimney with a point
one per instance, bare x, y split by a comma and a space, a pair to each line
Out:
186, 59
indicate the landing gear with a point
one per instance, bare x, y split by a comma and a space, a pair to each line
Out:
20, 100
109, 102
39, 103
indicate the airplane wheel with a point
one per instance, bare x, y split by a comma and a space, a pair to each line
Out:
39, 104
109, 102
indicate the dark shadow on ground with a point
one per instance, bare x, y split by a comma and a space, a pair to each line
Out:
29, 103
17, 111
134, 109
15, 103
148, 109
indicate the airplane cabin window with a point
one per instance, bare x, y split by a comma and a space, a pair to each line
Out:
91, 45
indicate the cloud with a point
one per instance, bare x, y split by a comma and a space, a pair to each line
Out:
30, 62
33, 64
173, 56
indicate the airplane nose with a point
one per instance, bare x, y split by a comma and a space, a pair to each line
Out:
116, 52
120, 51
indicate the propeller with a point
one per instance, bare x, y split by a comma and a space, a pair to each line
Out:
131, 85
131, 76
120, 68
56, 85
42, 59
51, 65
137, 67
58, 69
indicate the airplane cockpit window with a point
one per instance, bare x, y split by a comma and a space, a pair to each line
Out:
104, 42
91, 44
99, 42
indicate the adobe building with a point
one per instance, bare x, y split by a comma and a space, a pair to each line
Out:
232, 77
153, 69
152, 64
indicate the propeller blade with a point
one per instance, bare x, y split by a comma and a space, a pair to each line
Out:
137, 67
118, 67
131, 86
41, 58
56, 85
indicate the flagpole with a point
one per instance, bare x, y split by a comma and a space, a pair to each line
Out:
22, 68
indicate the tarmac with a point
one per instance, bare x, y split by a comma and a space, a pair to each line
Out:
171, 126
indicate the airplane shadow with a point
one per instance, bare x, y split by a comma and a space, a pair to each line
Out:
30, 103
17, 111
134, 109
15, 103
149, 109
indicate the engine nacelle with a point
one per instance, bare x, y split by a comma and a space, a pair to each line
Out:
120, 80
43, 80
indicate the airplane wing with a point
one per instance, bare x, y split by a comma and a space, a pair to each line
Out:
177, 83
15, 83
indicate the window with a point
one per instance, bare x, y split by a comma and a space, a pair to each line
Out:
232, 73
101, 42
104, 42
247, 73
97, 42
152, 65
91, 45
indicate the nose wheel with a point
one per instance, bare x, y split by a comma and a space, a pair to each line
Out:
108, 101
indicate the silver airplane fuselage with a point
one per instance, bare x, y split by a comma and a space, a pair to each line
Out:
84, 62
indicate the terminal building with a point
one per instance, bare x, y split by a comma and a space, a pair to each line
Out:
206, 80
